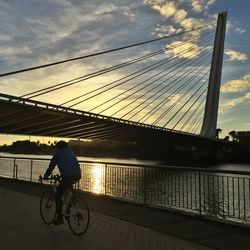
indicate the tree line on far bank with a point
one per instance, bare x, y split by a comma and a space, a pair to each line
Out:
226, 150
94, 148
29, 147
100, 148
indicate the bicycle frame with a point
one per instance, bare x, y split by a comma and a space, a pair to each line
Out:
74, 214
68, 193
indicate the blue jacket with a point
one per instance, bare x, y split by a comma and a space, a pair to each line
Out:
66, 161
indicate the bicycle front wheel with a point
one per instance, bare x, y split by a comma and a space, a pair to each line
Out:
79, 217
48, 207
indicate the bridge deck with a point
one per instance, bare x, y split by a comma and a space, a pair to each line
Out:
114, 225
27, 117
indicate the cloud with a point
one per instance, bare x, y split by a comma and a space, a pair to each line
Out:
236, 56
181, 17
35, 33
180, 21
33, 36
190, 23
199, 6
193, 50
237, 85
234, 102
4, 37
166, 30
168, 9
9, 51
179, 13
241, 86
105, 9
240, 30
131, 15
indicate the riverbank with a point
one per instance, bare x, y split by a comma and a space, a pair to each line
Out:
218, 152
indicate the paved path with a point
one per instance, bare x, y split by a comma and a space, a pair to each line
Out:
108, 216
22, 228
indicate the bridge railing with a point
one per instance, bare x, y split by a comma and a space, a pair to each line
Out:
214, 194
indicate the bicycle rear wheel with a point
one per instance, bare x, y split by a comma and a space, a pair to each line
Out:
79, 217
48, 207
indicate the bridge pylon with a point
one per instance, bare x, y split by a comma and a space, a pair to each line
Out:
211, 110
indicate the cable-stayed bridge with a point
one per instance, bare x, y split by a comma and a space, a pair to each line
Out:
165, 94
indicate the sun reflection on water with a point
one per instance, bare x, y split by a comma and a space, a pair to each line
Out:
98, 176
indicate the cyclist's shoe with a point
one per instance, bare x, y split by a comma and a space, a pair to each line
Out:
58, 220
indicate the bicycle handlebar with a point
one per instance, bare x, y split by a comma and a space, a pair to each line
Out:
55, 177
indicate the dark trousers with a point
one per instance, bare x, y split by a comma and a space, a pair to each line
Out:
65, 183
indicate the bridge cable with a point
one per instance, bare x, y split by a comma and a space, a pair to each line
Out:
140, 88
178, 100
190, 108
91, 75
166, 88
167, 99
98, 73
198, 124
158, 106
168, 60
122, 93
171, 83
146, 69
102, 52
183, 106
137, 91
196, 110
190, 127
152, 100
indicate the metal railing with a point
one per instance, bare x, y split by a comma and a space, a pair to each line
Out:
215, 194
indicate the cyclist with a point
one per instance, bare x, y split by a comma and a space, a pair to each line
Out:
70, 172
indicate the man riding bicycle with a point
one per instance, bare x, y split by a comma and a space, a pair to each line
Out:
70, 171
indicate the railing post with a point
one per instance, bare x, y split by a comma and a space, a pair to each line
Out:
14, 168
105, 179
145, 186
199, 175
31, 169
16, 171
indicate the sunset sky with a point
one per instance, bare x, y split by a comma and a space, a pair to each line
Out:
34, 32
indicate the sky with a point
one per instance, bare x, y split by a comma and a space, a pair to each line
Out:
34, 32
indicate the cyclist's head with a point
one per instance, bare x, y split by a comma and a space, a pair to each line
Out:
62, 144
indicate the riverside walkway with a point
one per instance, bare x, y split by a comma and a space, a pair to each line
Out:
114, 225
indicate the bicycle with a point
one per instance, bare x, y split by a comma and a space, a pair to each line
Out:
75, 208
